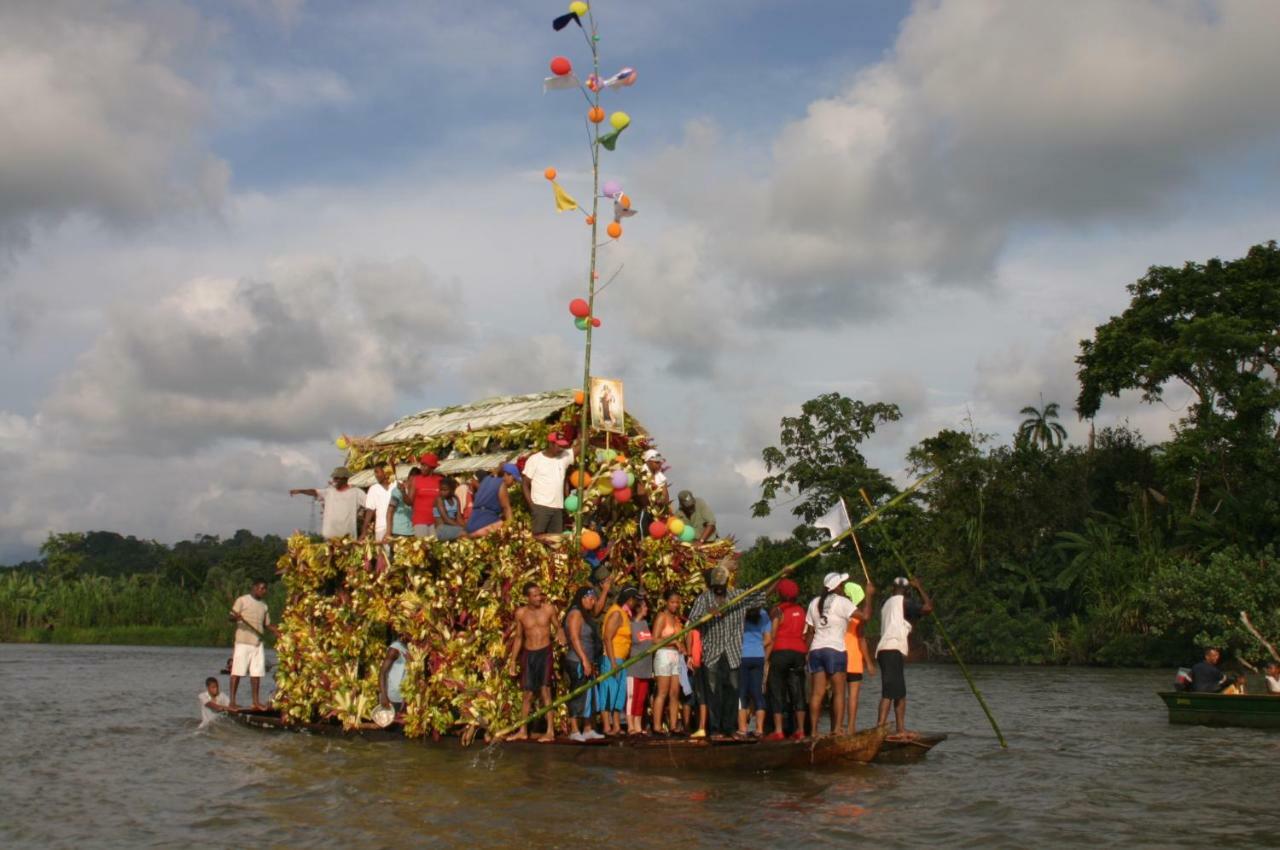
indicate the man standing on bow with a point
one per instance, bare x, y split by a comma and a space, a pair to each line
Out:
722, 647
896, 616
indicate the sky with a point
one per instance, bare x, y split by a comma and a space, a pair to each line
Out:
231, 231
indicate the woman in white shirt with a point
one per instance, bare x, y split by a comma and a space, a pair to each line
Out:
825, 626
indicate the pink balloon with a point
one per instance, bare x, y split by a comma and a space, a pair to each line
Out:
611, 189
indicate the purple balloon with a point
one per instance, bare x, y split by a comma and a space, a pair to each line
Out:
619, 479
611, 189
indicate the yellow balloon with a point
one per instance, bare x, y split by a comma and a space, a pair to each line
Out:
619, 120
579, 8
675, 525
341, 443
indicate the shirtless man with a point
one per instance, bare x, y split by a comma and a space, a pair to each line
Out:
531, 654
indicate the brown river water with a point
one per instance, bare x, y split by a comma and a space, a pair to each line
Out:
102, 748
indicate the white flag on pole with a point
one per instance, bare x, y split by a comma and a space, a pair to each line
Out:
835, 520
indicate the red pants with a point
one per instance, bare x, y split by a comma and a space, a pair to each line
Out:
637, 696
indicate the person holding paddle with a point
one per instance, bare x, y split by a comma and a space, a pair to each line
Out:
251, 617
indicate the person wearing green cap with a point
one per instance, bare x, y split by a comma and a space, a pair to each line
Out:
341, 504
860, 662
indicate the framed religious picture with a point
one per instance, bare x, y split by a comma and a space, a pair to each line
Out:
607, 405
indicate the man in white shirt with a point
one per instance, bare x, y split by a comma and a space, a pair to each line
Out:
342, 504
252, 618
1272, 677
659, 495
891, 652
543, 482
211, 695
377, 501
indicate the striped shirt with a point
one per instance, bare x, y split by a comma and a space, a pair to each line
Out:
723, 636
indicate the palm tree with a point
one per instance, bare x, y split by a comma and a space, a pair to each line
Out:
1037, 429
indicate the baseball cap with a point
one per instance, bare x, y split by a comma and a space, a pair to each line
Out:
833, 580
559, 439
429, 459
651, 454
627, 593
512, 470
901, 582
685, 496
340, 472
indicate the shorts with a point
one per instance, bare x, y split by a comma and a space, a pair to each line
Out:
666, 662
547, 520
829, 661
893, 674
751, 684
249, 660
853, 677
611, 694
535, 669
786, 680
424, 531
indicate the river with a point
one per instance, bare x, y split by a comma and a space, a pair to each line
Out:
102, 748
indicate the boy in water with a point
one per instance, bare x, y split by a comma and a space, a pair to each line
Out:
212, 694
531, 654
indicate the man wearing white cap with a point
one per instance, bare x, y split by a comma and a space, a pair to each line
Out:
658, 493
896, 617
825, 625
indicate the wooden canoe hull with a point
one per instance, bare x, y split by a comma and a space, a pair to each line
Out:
907, 752
1258, 711
634, 752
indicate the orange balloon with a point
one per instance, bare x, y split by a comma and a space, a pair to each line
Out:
614, 229
595, 114
590, 540
550, 174
624, 201
591, 220
578, 398
573, 476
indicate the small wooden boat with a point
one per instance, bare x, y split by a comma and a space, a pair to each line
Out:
631, 751
1259, 711
898, 751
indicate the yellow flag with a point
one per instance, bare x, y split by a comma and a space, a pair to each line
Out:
563, 201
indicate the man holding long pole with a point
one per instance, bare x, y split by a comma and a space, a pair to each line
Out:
896, 616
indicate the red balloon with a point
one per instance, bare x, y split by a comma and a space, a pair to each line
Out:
623, 494
595, 321
580, 308
657, 529
560, 66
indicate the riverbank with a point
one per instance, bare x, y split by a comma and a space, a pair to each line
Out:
178, 636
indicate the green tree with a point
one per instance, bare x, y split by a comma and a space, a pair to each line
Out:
1039, 429
819, 458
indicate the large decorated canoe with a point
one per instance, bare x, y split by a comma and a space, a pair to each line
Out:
1259, 711
628, 751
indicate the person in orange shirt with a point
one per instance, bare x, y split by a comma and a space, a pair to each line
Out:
861, 661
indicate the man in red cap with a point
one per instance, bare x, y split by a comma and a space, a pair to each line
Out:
544, 484
787, 661
426, 487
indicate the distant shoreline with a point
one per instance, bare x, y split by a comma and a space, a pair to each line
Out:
195, 636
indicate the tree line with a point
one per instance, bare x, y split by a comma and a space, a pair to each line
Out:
1114, 551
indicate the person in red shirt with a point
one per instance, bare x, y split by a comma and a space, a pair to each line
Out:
426, 487
787, 661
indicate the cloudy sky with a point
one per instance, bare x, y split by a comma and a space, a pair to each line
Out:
230, 231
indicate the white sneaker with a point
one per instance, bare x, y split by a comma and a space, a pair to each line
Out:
579, 737
591, 735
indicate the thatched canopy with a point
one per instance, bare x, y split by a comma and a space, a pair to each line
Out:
470, 437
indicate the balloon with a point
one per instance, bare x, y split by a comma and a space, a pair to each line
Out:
688, 534
560, 66
608, 455
593, 82
595, 114
580, 323
571, 503
573, 478
591, 220
595, 321
603, 485
619, 479
611, 189
590, 539
579, 8
622, 494
614, 229
631, 479
676, 525
618, 120
657, 529
627, 77
578, 397
579, 307
341, 443
550, 173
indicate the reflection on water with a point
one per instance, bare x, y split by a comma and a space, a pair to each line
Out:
103, 749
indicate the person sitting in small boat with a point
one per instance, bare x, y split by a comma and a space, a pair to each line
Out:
391, 675
531, 654
1271, 676
1236, 685
212, 694
1206, 678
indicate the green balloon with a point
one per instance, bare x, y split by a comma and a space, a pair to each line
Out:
581, 324
631, 479
571, 503
687, 534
